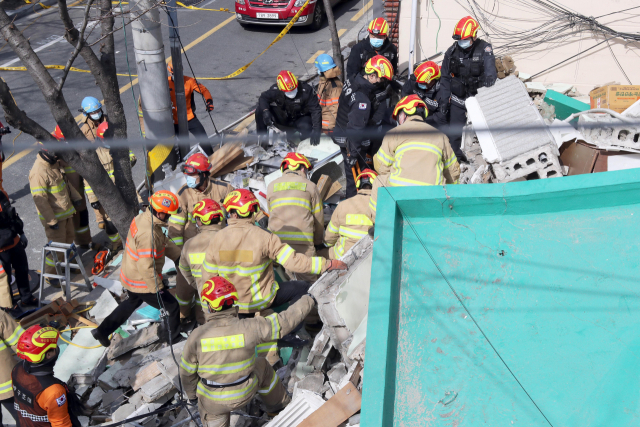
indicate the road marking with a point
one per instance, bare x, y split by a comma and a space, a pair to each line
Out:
314, 56
341, 31
362, 11
17, 157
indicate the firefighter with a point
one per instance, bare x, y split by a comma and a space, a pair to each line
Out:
243, 253
328, 90
350, 221
292, 104
10, 333
381, 181
55, 201
359, 109
468, 65
296, 210
141, 272
209, 219
425, 82
13, 243
195, 127
376, 44
219, 367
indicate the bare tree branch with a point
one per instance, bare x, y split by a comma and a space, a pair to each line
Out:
76, 51
18, 118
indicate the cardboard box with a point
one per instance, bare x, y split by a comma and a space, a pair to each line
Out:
614, 97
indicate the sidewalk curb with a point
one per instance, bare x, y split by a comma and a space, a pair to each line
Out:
30, 9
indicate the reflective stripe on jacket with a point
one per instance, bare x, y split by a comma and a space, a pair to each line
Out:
193, 254
107, 163
329, 90
349, 223
50, 191
381, 181
10, 332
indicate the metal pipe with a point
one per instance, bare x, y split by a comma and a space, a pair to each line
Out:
412, 39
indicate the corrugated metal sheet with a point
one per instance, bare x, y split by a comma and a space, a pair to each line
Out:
304, 404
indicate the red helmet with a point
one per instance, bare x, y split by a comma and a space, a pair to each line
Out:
102, 128
367, 176
294, 160
381, 66
410, 104
165, 202
207, 210
379, 27
57, 133
287, 81
242, 201
427, 72
218, 292
195, 164
36, 341
466, 28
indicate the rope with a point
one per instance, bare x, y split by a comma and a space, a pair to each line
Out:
78, 345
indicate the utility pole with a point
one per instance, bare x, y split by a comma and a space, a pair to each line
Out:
335, 40
178, 79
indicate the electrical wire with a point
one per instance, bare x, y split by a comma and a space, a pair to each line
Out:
78, 345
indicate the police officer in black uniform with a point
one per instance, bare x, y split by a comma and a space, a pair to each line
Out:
361, 107
425, 82
292, 104
376, 44
467, 66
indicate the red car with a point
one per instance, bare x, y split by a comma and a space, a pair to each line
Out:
280, 12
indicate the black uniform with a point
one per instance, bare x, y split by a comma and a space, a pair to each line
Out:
360, 107
464, 71
302, 112
430, 96
363, 51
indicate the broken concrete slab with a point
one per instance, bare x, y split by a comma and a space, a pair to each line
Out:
164, 352
140, 338
105, 304
157, 388
610, 131
312, 382
146, 374
542, 161
300, 408
170, 371
337, 372
124, 375
106, 380
95, 398
112, 400
84, 363
320, 349
113, 286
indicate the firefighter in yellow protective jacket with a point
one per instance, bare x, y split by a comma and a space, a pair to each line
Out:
141, 272
295, 209
54, 199
351, 221
329, 90
10, 333
219, 367
209, 219
243, 253
380, 182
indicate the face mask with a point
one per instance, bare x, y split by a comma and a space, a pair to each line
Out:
421, 86
376, 43
95, 116
192, 181
291, 94
464, 43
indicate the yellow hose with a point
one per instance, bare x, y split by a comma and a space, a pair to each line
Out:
76, 345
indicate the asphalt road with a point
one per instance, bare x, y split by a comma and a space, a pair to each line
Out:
211, 54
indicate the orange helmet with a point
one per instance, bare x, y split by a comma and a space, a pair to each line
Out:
165, 201
242, 201
102, 128
379, 27
36, 341
207, 210
381, 66
57, 133
410, 104
287, 81
466, 28
427, 72
218, 292
195, 164
294, 160
367, 176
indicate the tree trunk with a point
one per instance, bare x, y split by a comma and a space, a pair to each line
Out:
335, 40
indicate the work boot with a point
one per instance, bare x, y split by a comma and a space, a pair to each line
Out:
292, 340
31, 302
15, 311
104, 341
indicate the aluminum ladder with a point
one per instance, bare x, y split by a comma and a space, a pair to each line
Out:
70, 252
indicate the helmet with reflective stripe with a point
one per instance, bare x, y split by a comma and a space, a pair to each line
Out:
57, 133
242, 201
381, 66
379, 27
102, 128
427, 72
287, 81
324, 62
165, 202
367, 176
207, 210
411, 105
36, 341
466, 28
90, 104
218, 292
293, 161
195, 164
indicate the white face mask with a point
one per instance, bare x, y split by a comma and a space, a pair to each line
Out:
95, 116
421, 86
192, 181
291, 94
464, 43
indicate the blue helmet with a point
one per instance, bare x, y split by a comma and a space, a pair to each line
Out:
90, 104
324, 62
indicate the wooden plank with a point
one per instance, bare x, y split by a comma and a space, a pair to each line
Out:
145, 375
236, 164
336, 410
324, 184
83, 320
224, 156
335, 187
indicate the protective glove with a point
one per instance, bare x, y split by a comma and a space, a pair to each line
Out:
24, 241
381, 96
193, 401
132, 159
95, 205
335, 264
209, 104
267, 118
315, 139
76, 203
444, 108
54, 226
264, 222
